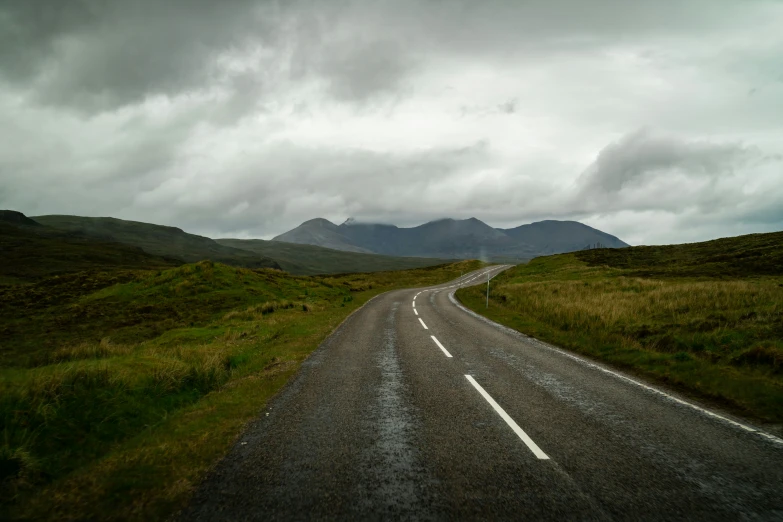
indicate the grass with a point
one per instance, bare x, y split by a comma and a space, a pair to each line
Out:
173, 243
706, 318
158, 240
311, 260
30, 253
118, 390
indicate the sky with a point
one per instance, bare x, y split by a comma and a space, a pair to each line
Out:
656, 121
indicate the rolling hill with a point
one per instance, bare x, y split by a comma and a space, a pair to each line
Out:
31, 251
450, 238
173, 243
158, 240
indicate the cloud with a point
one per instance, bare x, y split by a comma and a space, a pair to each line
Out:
357, 71
639, 157
97, 55
246, 117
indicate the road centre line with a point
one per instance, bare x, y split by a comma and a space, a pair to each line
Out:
414, 304
513, 425
422, 323
416, 311
440, 346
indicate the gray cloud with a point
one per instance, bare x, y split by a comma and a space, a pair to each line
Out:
246, 117
642, 155
96, 55
358, 71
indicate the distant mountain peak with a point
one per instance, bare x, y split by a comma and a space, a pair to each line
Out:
318, 222
444, 238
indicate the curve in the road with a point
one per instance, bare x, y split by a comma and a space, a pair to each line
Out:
430, 411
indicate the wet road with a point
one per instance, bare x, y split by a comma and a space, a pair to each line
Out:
415, 408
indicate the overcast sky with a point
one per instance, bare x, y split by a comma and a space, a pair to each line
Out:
658, 121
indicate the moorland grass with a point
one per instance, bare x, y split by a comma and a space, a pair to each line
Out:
118, 390
706, 317
301, 259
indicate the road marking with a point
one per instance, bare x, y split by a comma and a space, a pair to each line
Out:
422, 323
440, 346
541, 344
414, 304
415, 311
513, 425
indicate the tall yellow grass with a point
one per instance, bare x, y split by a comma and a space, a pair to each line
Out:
619, 301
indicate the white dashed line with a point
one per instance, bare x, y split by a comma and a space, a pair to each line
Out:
415, 311
513, 425
422, 323
440, 346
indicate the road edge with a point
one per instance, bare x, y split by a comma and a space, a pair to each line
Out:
617, 374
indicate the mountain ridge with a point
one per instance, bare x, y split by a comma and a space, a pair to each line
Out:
452, 238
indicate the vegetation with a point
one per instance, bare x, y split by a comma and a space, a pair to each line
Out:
157, 240
310, 259
118, 389
705, 317
173, 243
31, 252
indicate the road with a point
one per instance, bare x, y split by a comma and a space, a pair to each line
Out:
415, 408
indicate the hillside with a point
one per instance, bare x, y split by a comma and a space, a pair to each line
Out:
157, 240
320, 232
31, 251
704, 317
557, 237
741, 256
304, 259
450, 238
118, 391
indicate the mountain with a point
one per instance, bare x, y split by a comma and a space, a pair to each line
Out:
31, 251
450, 238
303, 259
320, 232
157, 240
556, 237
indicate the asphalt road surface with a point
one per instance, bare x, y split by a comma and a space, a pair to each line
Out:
416, 409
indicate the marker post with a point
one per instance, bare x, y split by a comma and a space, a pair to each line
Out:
487, 289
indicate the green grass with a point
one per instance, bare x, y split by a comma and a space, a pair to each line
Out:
119, 389
706, 317
311, 260
30, 253
158, 240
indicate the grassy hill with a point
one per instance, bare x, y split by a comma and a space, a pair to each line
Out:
310, 259
704, 317
157, 240
173, 243
119, 390
30, 252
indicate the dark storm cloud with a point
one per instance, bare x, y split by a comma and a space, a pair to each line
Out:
96, 55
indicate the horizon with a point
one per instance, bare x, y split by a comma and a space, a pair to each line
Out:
270, 238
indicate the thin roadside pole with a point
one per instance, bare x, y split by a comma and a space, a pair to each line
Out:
487, 289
